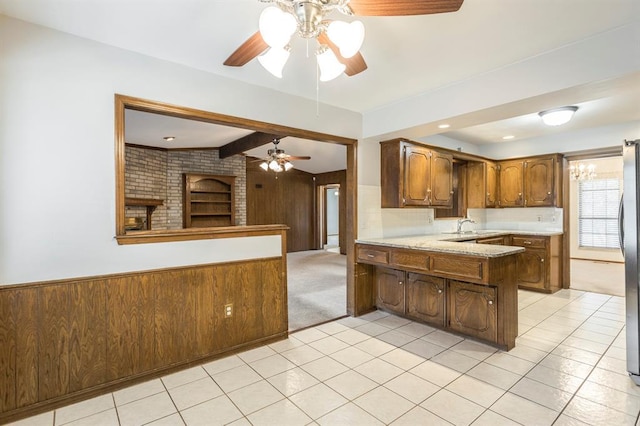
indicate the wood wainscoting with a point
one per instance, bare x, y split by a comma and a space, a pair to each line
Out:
68, 340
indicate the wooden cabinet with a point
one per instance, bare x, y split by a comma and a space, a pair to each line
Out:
425, 298
511, 183
472, 309
531, 182
390, 289
209, 200
413, 175
471, 294
500, 241
539, 266
482, 184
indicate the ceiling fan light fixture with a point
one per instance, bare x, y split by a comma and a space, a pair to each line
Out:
558, 116
274, 59
329, 65
264, 166
276, 26
288, 166
347, 36
273, 165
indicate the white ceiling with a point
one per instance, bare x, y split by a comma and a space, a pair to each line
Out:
406, 56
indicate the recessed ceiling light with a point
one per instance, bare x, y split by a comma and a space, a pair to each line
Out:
443, 126
169, 138
506, 138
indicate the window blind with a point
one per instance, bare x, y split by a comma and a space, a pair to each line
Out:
598, 201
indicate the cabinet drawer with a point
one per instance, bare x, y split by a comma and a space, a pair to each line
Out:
409, 259
373, 255
525, 241
460, 267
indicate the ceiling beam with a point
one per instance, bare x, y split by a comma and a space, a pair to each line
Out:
246, 143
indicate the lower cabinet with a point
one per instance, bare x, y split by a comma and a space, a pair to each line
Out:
539, 266
472, 309
531, 269
390, 290
425, 298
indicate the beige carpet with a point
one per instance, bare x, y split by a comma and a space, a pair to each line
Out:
317, 287
597, 277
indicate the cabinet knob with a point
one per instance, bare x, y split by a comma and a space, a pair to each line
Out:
526, 242
548, 193
439, 291
370, 256
491, 302
400, 283
541, 260
519, 194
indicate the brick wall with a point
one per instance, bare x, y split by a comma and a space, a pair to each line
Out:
157, 174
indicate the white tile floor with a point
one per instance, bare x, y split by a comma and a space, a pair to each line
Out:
568, 368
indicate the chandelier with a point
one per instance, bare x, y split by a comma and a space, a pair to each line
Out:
582, 172
278, 23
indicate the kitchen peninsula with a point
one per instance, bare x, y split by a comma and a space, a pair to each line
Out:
445, 281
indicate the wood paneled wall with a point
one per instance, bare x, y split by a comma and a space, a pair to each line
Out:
283, 198
65, 340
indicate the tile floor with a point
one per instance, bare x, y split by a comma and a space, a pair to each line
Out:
568, 368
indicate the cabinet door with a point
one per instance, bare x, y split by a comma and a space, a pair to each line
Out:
417, 173
491, 185
472, 309
390, 289
441, 179
425, 298
531, 269
538, 182
511, 183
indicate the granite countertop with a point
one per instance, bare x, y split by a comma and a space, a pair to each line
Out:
455, 243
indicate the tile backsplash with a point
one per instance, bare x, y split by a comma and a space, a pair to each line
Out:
376, 222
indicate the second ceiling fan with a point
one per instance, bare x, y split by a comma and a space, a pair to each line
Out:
339, 41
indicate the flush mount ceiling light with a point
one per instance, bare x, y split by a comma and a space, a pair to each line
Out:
338, 41
558, 116
444, 126
169, 138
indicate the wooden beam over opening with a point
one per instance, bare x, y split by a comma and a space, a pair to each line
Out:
246, 143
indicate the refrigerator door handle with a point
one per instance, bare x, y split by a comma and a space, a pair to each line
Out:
621, 224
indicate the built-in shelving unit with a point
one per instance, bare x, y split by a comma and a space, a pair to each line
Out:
209, 200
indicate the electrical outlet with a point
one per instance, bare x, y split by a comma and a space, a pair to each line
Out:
539, 218
228, 310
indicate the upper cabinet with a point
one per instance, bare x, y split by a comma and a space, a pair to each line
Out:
413, 175
531, 182
482, 184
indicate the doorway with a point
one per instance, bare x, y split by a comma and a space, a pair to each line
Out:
596, 262
329, 217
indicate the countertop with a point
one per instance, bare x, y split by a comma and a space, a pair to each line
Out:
455, 243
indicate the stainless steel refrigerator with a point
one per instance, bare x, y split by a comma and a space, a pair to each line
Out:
629, 244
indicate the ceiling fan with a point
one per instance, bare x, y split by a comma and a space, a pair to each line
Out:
339, 41
277, 160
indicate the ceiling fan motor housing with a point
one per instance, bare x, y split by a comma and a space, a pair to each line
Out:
309, 15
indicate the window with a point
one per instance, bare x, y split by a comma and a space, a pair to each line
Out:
598, 201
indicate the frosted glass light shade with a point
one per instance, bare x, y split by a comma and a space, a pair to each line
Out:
329, 65
347, 36
558, 116
264, 166
288, 166
274, 59
276, 26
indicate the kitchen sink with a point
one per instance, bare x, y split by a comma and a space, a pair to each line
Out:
469, 232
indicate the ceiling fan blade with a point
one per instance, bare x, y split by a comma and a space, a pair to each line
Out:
354, 64
295, 157
403, 7
248, 50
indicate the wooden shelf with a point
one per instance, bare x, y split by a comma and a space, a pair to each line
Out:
149, 203
209, 200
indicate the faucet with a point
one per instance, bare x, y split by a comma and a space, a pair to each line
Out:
462, 222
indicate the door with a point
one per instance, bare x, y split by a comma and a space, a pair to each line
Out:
538, 183
472, 309
531, 269
417, 173
491, 199
425, 298
441, 179
390, 289
511, 187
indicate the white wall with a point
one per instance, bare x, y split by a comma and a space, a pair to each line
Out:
57, 167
